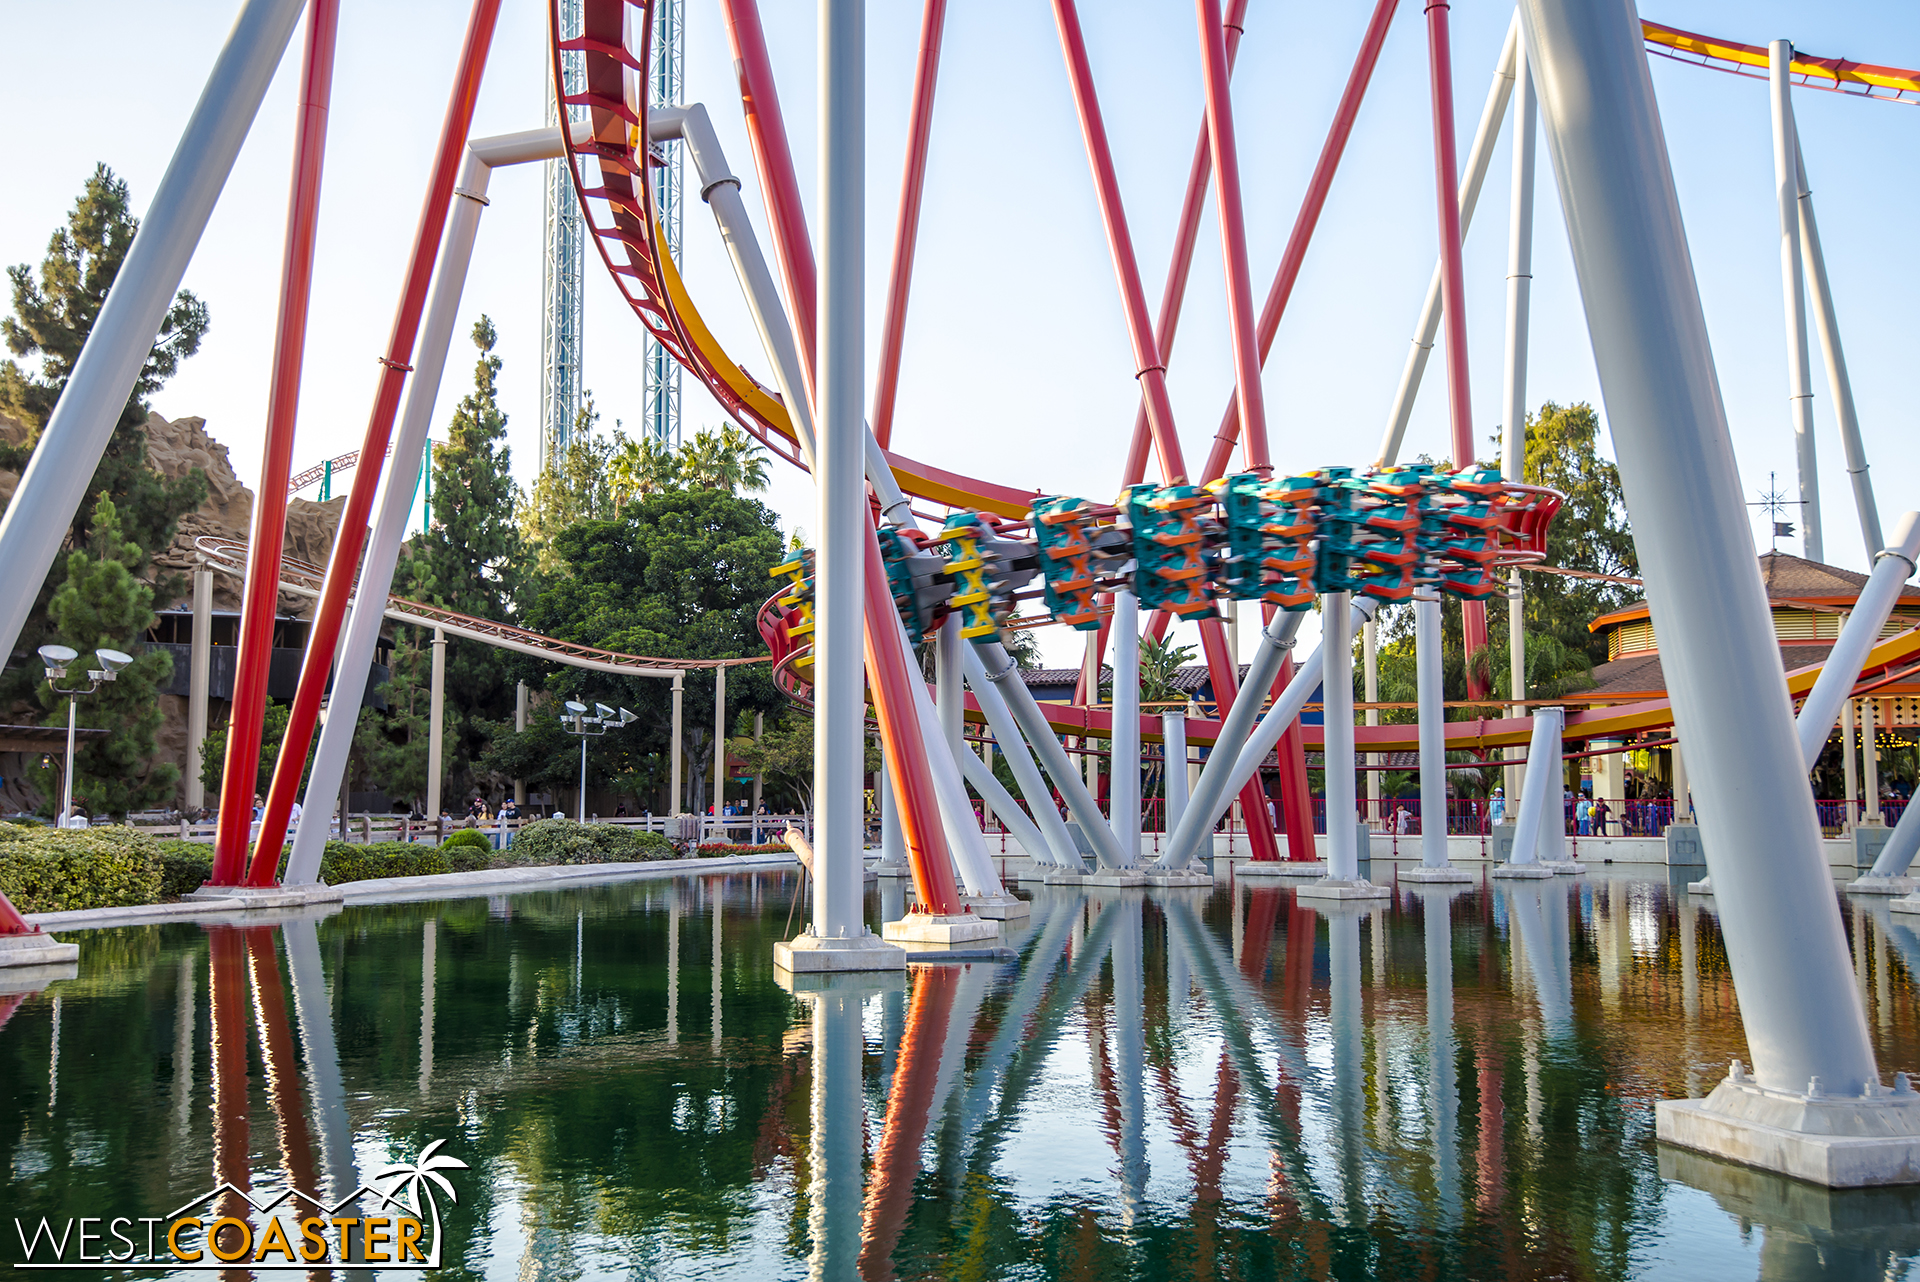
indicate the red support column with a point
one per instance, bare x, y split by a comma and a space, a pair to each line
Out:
1453, 295
1307, 219
262, 589
344, 563
908, 769
1233, 238
278, 1058
907, 230
1150, 369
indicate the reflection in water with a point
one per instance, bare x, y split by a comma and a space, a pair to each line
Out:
1164, 1084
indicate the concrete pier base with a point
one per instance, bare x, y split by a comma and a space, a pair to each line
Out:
1564, 867
1702, 887
925, 928
997, 907
1854, 1141
1061, 877
272, 896
1340, 888
36, 950
1534, 871
1907, 903
1177, 877
1871, 885
1116, 878
1281, 868
808, 954
890, 870
1421, 875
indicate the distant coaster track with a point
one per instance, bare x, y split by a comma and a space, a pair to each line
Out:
306, 579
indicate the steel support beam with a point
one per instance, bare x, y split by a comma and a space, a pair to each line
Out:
1786, 180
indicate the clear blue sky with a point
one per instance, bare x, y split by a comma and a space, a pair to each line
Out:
1018, 366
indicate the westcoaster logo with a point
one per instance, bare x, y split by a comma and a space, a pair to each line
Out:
292, 1231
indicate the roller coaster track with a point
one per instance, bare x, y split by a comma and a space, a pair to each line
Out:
345, 463
619, 211
306, 579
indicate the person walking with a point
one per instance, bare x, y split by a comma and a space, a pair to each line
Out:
509, 814
1601, 813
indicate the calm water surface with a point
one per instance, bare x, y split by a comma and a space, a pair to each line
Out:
1183, 1084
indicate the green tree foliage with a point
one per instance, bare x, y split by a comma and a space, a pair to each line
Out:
1591, 533
681, 574
1160, 662
101, 605
470, 559
52, 317
579, 487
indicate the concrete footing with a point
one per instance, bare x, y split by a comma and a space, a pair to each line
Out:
1702, 887
272, 896
1177, 877
1422, 875
1564, 867
1116, 878
997, 907
36, 950
1855, 1141
1534, 871
1061, 877
1906, 903
925, 928
890, 870
1871, 885
1340, 888
808, 954
1281, 868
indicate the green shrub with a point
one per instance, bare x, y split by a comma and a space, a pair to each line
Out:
562, 841
343, 863
468, 837
184, 866
50, 870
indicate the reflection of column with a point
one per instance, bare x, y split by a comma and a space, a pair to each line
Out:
1130, 1055
184, 1022
227, 986
315, 1012
673, 962
837, 1117
277, 1058
910, 1098
429, 941
1613, 946
718, 967
1239, 919
1882, 976
1443, 1089
1539, 911
1349, 1062
53, 1059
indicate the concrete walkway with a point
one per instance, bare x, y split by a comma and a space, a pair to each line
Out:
396, 890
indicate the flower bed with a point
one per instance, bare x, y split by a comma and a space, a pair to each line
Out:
722, 848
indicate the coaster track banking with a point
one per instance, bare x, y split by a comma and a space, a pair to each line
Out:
620, 213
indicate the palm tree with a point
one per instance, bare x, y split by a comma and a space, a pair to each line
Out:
727, 460
416, 1180
1160, 662
641, 467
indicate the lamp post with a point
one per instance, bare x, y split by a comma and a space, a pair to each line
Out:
56, 658
575, 720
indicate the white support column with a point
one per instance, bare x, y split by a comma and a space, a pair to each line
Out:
199, 681
1059, 847
437, 703
1540, 804
1090, 679
520, 727
1173, 730
109, 364
720, 750
1370, 657
1343, 880
1870, 760
1124, 770
986, 759
759, 729
1859, 630
840, 939
950, 699
1433, 731
1513, 448
1803, 1018
1850, 763
1786, 179
673, 750
1827, 323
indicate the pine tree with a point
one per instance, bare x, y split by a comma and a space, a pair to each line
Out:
472, 558
579, 486
101, 605
52, 318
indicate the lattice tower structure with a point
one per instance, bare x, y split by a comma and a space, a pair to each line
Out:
662, 408
563, 268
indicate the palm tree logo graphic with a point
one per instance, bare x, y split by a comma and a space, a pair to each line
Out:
413, 1184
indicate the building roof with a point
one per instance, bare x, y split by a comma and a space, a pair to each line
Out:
1641, 674
1787, 578
1188, 680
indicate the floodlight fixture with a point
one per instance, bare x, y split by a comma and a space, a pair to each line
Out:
55, 654
603, 711
111, 661
628, 718
574, 705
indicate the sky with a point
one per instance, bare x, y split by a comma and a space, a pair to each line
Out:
1017, 364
